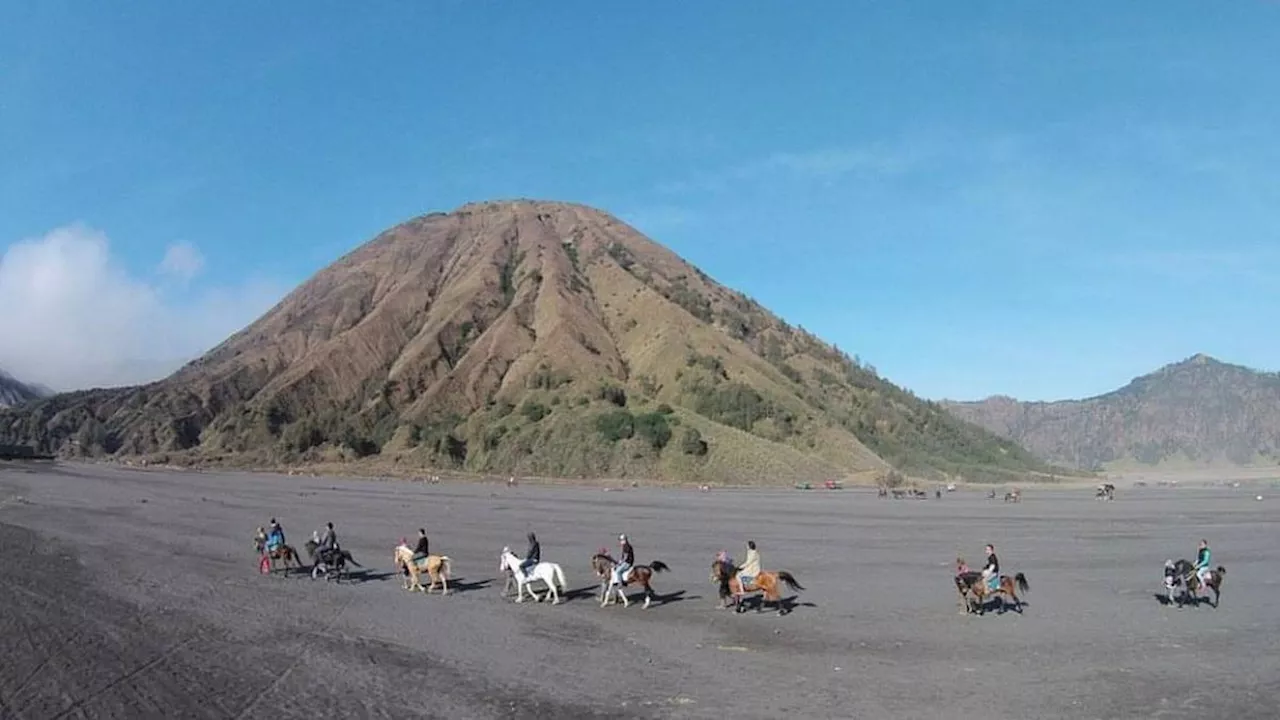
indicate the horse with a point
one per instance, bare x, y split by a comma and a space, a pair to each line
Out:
283, 553
768, 583
437, 567
603, 564
973, 583
339, 560
1013, 496
1187, 571
548, 572
1106, 491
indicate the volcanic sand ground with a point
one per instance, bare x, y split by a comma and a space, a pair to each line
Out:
135, 594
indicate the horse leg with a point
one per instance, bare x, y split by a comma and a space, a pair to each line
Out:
648, 594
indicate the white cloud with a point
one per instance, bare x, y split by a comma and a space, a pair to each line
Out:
182, 261
72, 317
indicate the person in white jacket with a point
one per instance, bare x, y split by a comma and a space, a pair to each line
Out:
750, 566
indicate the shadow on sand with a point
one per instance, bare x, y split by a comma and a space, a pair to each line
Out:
784, 607
1183, 601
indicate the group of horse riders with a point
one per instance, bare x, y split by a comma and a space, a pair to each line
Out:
990, 573
627, 558
272, 540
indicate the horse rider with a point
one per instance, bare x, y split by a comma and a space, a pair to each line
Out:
1202, 563
962, 567
275, 536
421, 550
991, 573
533, 556
750, 567
625, 561
328, 542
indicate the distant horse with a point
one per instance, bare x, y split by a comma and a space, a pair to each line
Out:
1106, 491
603, 564
284, 553
548, 572
1014, 495
437, 567
1187, 571
768, 583
972, 583
338, 561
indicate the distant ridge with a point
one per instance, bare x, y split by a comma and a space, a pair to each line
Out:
14, 393
533, 337
1199, 411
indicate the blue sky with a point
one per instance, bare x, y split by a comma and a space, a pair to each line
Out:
1037, 199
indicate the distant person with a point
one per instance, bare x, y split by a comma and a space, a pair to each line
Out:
422, 549
533, 556
991, 573
627, 559
750, 566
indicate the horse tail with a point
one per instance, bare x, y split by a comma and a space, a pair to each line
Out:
659, 566
790, 580
560, 581
445, 566
1022, 582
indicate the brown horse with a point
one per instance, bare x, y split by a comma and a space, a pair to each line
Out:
768, 583
603, 564
284, 553
437, 567
972, 583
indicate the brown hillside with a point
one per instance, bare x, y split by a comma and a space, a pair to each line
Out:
525, 336
1199, 411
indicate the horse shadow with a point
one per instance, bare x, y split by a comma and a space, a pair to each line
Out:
1003, 606
461, 585
359, 577
1185, 600
784, 606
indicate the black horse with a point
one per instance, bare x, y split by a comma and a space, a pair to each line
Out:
1185, 571
332, 564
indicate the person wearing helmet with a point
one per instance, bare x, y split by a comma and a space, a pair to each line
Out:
625, 561
533, 556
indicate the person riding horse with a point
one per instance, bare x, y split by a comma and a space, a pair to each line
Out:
1202, 563
533, 556
275, 536
422, 549
750, 567
627, 559
991, 573
327, 544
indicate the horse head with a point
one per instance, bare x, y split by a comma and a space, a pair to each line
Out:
601, 563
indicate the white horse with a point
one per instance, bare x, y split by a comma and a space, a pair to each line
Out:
548, 572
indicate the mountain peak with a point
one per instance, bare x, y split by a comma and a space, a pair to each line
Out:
1200, 410
527, 336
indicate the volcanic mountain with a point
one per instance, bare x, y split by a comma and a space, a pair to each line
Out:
1199, 411
531, 337
14, 393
